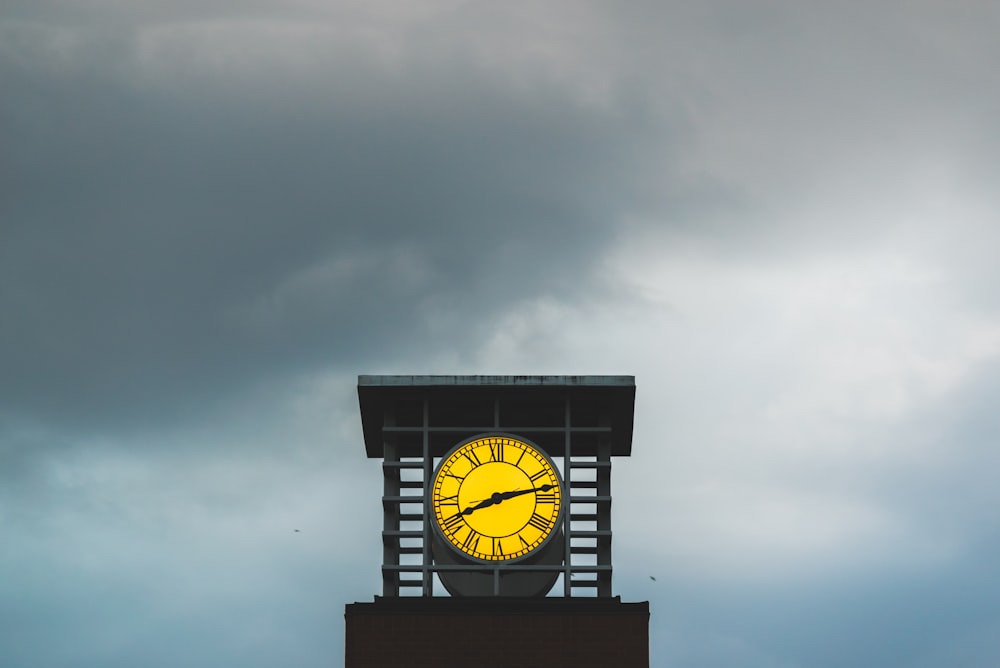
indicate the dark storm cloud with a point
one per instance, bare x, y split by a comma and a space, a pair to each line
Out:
169, 240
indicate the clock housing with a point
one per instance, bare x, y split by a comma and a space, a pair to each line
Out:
497, 498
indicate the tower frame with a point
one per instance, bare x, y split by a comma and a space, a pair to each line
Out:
580, 421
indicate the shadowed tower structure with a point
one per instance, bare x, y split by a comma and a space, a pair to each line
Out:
497, 522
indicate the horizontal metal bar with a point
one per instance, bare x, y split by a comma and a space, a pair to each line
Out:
396, 429
412, 517
403, 465
433, 568
590, 499
411, 550
590, 465
589, 534
415, 498
573, 517
583, 484
411, 484
402, 534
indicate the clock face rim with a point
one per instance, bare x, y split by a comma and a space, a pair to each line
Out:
554, 529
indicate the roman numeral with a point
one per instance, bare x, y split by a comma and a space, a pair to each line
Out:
496, 452
538, 476
518, 462
524, 542
459, 478
471, 542
448, 500
451, 524
545, 498
497, 547
470, 454
539, 522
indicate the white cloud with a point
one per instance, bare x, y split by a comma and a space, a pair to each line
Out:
776, 405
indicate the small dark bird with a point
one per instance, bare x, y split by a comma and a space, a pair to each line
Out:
652, 578
296, 531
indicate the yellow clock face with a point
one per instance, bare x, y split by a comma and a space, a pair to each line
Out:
496, 498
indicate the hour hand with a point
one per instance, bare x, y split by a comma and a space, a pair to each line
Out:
482, 504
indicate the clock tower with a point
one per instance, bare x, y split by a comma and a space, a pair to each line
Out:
497, 523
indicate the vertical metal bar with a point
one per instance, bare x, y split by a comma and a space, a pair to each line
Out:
604, 516
427, 579
567, 511
390, 511
496, 427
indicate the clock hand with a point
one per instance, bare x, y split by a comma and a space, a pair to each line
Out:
494, 499
510, 495
498, 497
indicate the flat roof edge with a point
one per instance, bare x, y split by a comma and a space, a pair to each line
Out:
447, 605
495, 381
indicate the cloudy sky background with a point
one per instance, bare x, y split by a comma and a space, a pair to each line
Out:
781, 217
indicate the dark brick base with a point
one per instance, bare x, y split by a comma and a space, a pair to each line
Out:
500, 633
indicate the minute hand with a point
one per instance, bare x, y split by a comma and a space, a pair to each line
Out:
511, 495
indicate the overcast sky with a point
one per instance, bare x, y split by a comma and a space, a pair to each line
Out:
781, 217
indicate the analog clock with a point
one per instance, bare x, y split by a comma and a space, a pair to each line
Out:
496, 497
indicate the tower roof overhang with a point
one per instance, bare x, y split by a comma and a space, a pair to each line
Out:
601, 407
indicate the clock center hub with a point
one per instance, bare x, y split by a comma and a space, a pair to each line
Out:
506, 513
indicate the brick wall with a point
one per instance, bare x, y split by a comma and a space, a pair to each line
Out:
488, 633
